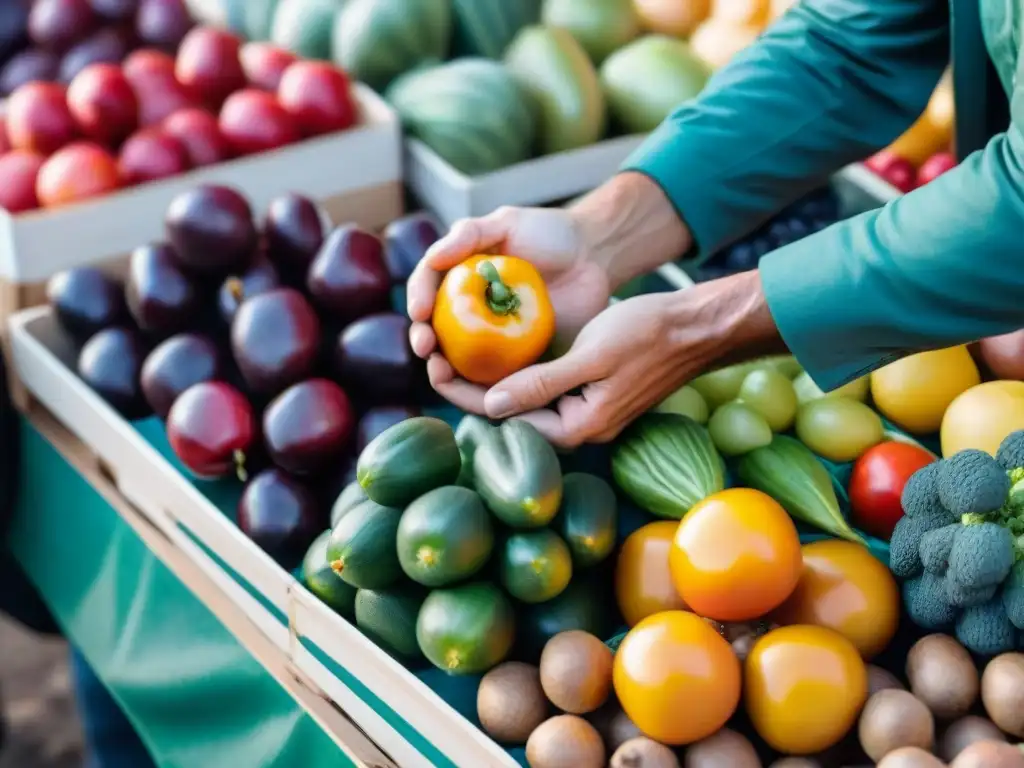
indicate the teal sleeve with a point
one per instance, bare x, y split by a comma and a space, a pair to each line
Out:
829, 83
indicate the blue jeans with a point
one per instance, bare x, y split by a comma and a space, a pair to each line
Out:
110, 740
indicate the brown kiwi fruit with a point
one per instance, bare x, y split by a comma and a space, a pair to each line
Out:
613, 724
510, 702
943, 676
795, 762
644, 753
892, 719
1002, 692
910, 757
961, 733
576, 671
565, 741
882, 679
990, 754
724, 749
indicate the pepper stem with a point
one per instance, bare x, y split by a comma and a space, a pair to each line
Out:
236, 288
501, 299
240, 470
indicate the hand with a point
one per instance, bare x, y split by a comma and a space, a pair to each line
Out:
552, 239
633, 355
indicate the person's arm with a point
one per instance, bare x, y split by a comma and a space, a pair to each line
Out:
829, 83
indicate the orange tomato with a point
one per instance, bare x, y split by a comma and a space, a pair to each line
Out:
845, 588
736, 555
643, 584
677, 679
79, 171
803, 688
493, 317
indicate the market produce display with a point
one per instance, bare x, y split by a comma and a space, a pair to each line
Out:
156, 115
54, 40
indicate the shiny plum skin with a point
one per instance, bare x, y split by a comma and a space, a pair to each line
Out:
211, 429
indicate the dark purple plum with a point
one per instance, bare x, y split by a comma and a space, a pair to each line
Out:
280, 515
162, 299
86, 301
59, 24
108, 45
378, 419
211, 230
308, 427
111, 363
405, 241
373, 358
211, 429
13, 26
294, 231
275, 339
162, 23
259, 278
27, 66
115, 10
348, 278
177, 364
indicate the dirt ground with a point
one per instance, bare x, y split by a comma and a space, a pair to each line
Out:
43, 730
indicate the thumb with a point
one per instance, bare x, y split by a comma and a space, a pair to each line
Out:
534, 387
467, 237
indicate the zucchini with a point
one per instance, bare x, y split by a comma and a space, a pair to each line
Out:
466, 630
471, 430
788, 472
405, 461
517, 473
388, 617
666, 463
444, 536
588, 518
582, 605
535, 565
351, 496
322, 581
362, 549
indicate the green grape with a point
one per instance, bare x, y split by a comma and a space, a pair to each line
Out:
685, 401
735, 429
772, 395
838, 428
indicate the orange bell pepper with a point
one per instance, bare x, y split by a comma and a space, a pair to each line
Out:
493, 317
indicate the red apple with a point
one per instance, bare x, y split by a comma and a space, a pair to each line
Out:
208, 64
103, 103
264, 63
151, 74
252, 121
197, 129
896, 170
5, 142
151, 154
38, 118
19, 170
58, 24
145, 64
79, 171
162, 23
319, 96
935, 166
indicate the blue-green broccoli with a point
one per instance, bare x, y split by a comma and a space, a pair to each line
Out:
960, 547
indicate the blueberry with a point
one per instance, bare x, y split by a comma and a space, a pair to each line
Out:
780, 233
799, 228
741, 256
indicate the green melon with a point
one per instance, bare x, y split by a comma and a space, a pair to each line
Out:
645, 81
304, 26
258, 18
559, 76
600, 26
471, 112
486, 27
388, 617
375, 41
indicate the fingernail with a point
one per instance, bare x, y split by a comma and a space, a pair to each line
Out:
498, 404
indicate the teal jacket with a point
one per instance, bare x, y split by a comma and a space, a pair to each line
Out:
830, 83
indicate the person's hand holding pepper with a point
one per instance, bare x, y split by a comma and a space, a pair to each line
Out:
626, 357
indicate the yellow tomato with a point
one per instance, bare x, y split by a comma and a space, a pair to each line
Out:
677, 679
983, 416
672, 17
932, 132
716, 41
736, 555
803, 688
914, 392
643, 584
753, 13
844, 587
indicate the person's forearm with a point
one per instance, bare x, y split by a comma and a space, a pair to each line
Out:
630, 227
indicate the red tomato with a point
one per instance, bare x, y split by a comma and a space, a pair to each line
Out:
876, 484
76, 172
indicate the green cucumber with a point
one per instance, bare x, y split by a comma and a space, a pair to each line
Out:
388, 617
535, 565
322, 581
787, 471
466, 630
405, 461
583, 605
444, 536
588, 518
351, 496
666, 463
362, 549
468, 434
518, 474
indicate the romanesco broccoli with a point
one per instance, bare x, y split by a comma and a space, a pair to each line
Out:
972, 482
921, 493
985, 629
1011, 451
925, 598
935, 547
960, 596
982, 555
1013, 595
904, 545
